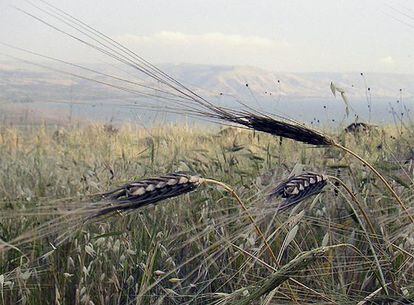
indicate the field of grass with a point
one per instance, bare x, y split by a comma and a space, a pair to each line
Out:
202, 248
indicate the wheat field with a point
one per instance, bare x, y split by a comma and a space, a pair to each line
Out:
335, 247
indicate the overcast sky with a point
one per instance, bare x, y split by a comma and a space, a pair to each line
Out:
279, 35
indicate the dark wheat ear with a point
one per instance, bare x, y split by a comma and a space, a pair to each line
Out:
149, 191
301, 133
282, 128
298, 188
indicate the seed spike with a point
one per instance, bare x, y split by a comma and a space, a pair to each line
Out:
282, 128
298, 188
149, 191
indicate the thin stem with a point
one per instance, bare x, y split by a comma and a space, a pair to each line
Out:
371, 226
381, 274
381, 177
234, 194
285, 273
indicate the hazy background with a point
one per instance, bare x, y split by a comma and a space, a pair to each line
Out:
294, 36
218, 46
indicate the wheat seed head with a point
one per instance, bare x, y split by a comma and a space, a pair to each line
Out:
150, 191
283, 128
298, 188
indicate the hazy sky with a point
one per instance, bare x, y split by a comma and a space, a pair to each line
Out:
288, 35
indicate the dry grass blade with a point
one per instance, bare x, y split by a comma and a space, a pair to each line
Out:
283, 274
298, 188
150, 191
369, 297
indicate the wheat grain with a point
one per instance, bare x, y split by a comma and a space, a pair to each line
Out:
298, 188
149, 191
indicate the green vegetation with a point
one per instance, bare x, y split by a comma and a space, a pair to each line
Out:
202, 248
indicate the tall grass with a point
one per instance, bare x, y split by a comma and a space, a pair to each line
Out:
176, 97
201, 248
197, 250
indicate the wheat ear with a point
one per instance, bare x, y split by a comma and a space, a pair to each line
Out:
301, 133
298, 188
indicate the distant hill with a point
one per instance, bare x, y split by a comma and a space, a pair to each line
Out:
316, 84
42, 90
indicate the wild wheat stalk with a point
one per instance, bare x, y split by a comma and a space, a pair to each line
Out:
378, 174
262, 236
234, 194
138, 194
301, 133
380, 275
130, 196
